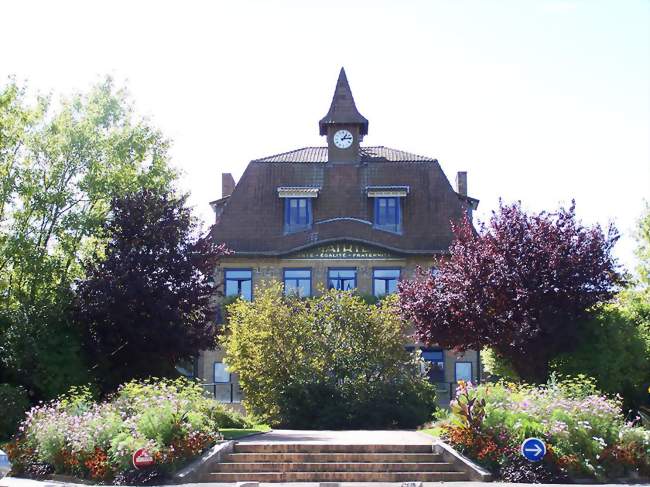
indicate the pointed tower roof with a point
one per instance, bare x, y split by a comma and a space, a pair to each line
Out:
343, 109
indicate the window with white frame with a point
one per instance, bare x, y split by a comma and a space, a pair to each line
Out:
221, 374
464, 371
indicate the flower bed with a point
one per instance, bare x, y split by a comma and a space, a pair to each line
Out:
172, 420
585, 432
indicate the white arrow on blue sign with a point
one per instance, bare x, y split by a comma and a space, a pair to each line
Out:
533, 449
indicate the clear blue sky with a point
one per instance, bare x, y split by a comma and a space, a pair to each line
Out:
540, 101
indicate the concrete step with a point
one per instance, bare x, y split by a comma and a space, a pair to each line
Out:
333, 467
332, 457
338, 477
327, 448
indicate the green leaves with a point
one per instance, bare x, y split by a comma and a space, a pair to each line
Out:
60, 166
327, 361
60, 170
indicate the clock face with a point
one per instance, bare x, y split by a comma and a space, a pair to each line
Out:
342, 139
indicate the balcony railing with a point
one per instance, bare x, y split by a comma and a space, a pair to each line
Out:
227, 392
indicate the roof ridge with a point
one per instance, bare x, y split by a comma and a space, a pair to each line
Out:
400, 150
290, 152
318, 154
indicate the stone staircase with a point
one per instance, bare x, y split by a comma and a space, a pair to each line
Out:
314, 462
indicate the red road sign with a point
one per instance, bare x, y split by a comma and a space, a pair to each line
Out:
142, 459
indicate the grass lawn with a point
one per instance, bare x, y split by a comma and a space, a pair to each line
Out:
435, 431
236, 433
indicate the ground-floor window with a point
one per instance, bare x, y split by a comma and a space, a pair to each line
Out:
342, 279
221, 374
239, 282
464, 371
384, 281
297, 282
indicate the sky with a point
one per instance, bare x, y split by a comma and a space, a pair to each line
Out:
539, 101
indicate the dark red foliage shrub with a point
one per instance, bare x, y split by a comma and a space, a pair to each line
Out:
521, 284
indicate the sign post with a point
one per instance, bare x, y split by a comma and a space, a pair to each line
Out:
533, 449
142, 459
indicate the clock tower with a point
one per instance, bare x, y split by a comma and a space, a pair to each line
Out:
343, 125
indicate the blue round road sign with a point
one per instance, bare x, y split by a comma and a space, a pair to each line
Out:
533, 449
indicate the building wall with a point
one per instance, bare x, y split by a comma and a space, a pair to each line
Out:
267, 269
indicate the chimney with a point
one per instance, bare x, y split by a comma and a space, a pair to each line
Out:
227, 184
461, 183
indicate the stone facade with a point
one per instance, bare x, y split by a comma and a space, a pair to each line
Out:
272, 269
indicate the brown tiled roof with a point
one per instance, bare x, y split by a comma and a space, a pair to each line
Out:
252, 222
368, 154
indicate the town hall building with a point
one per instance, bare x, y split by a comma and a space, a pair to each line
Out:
345, 216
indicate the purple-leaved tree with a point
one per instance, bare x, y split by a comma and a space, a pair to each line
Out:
520, 284
147, 304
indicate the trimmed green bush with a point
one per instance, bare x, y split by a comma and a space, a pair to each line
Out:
332, 361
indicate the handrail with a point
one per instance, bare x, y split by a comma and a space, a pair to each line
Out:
213, 386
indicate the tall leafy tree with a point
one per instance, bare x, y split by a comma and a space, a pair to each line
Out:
643, 248
60, 166
616, 343
521, 285
146, 305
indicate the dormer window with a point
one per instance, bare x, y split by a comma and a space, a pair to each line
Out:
388, 214
388, 206
298, 214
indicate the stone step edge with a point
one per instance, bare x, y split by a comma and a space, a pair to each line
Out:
333, 466
336, 477
245, 447
316, 472
454, 473
408, 454
334, 463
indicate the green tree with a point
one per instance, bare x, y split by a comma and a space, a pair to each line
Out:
328, 361
60, 166
615, 343
643, 247
615, 351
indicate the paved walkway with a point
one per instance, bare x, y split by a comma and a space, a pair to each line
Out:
353, 437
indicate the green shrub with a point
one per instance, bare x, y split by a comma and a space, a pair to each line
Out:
227, 418
615, 351
13, 404
331, 361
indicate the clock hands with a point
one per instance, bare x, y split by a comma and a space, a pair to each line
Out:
343, 139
